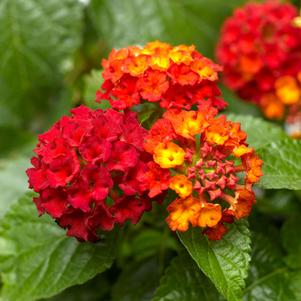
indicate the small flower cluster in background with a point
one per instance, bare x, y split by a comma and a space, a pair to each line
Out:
260, 50
98, 168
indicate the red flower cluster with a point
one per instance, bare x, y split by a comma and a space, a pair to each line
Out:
89, 171
175, 77
260, 49
207, 162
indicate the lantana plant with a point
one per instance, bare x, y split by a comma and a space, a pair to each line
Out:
99, 168
191, 167
260, 50
148, 150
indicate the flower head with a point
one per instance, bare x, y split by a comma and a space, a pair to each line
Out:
260, 49
89, 171
209, 165
174, 77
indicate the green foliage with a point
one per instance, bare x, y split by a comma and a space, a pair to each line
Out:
14, 139
226, 261
37, 40
260, 132
50, 52
149, 242
295, 284
237, 105
183, 280
38, 260
290, 234
281, 167
13, 181
268, 278
92, 83
122, 23
279, 153
278, 202
96, 289
137, 282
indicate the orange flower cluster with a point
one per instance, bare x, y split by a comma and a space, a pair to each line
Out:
174, 77
260, 49
205, 159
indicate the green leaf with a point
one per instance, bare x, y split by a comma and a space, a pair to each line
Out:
92, 83
295, 283
268, 278
281, 168
290, 235
145, 110
148, 113
137, 282
148, 242
178, 22
183, 281
36, 43
260, 132
96, 289
38, 260
13, 181
226, 261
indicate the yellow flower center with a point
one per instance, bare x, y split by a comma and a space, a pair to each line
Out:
216, 138
169, 155
204, 71
160, 62
137, 65
210, 215
181, 185
181, 54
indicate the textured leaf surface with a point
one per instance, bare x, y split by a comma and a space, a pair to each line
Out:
268, 278
121, 23
183, 281
260, 132
282, 168
38, 260
137, 282
36, 41
295, 283
226, 261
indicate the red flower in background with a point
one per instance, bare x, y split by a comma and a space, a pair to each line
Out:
89, 171
175, 77
260, 50
207, 162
